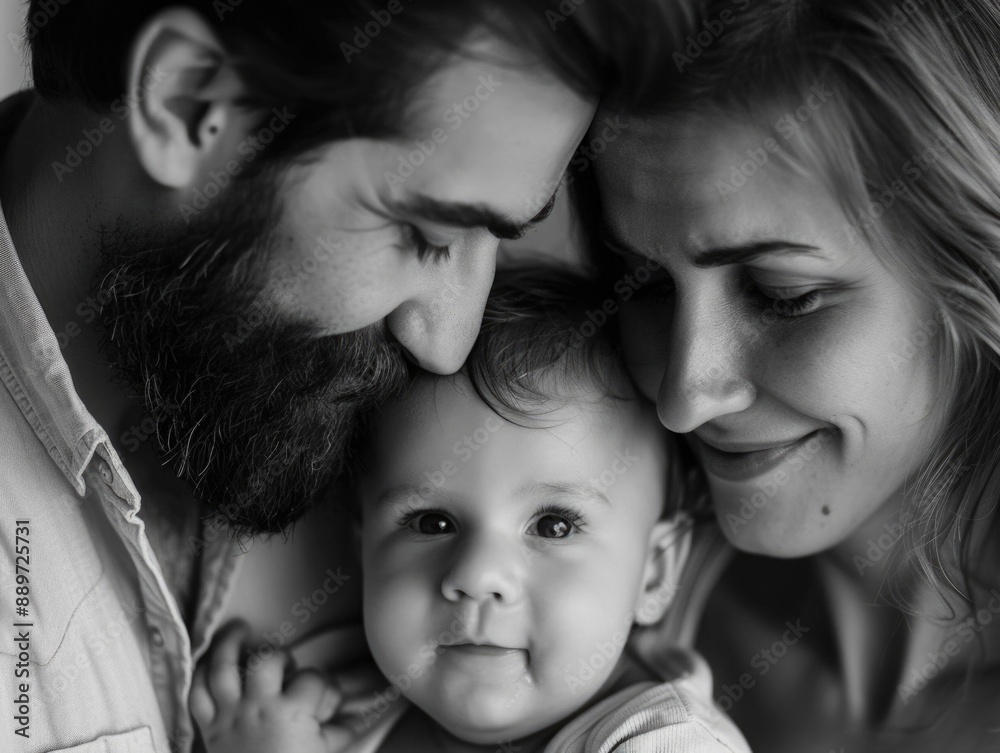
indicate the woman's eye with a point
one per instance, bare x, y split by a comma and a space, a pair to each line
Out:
432, 524
799, 306
793, 306
424, 247
784, 301
553, 527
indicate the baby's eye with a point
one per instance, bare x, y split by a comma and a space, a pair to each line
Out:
432, 523
553, 527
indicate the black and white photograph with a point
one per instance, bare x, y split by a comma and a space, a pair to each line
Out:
499, 376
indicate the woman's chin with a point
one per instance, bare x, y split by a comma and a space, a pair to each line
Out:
772, 547
786, 534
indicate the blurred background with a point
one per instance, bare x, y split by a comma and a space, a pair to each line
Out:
12, 70
553, 237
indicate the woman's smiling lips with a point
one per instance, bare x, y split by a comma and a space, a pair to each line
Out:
733, 461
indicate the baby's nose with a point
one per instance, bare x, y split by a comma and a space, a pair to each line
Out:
485, 570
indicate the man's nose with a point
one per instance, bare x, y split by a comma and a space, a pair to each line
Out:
439, 323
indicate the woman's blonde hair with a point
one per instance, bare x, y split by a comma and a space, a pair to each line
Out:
897, 105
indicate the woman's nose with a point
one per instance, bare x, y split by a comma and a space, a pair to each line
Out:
441, 321
705, 373
485, 568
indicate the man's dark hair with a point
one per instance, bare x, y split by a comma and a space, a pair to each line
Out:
316, 57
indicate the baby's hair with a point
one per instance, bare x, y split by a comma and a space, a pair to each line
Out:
547, 338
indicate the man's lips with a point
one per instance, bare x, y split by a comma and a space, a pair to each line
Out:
740, 461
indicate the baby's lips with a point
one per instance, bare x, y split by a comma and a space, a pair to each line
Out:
492, 663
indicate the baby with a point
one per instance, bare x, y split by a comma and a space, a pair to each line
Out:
518, 521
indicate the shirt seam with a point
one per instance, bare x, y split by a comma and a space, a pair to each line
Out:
30, 413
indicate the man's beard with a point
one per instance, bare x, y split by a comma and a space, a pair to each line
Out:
252, 408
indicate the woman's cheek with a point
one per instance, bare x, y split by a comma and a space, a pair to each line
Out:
881, 363
831, 365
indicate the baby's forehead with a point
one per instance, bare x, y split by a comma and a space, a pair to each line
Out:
450, 402
437, 409
443, 443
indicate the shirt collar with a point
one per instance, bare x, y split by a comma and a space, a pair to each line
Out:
31, 363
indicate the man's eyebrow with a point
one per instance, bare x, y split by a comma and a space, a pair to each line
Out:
473, 215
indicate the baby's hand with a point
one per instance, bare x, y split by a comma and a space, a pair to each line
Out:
268, 713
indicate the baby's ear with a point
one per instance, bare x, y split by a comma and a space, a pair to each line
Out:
667, 553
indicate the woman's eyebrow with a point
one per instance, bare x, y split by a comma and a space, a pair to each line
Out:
714, 257
717, 257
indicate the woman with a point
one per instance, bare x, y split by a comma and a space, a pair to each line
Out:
812, 206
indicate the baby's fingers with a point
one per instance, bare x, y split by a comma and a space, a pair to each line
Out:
339, 737
200, 701
224, 679
361, 686
264, 677
311, 690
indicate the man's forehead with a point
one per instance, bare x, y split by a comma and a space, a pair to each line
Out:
484, 55
490, 131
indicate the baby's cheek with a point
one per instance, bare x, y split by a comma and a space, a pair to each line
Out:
391, 594
576, 614
391, 612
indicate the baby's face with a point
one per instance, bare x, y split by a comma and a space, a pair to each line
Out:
503, 565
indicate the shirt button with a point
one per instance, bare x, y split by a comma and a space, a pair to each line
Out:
105, 472
156, 637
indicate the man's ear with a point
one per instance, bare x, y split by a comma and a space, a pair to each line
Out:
182, 97
667, 553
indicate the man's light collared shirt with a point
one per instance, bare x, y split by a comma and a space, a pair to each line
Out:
101, 647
